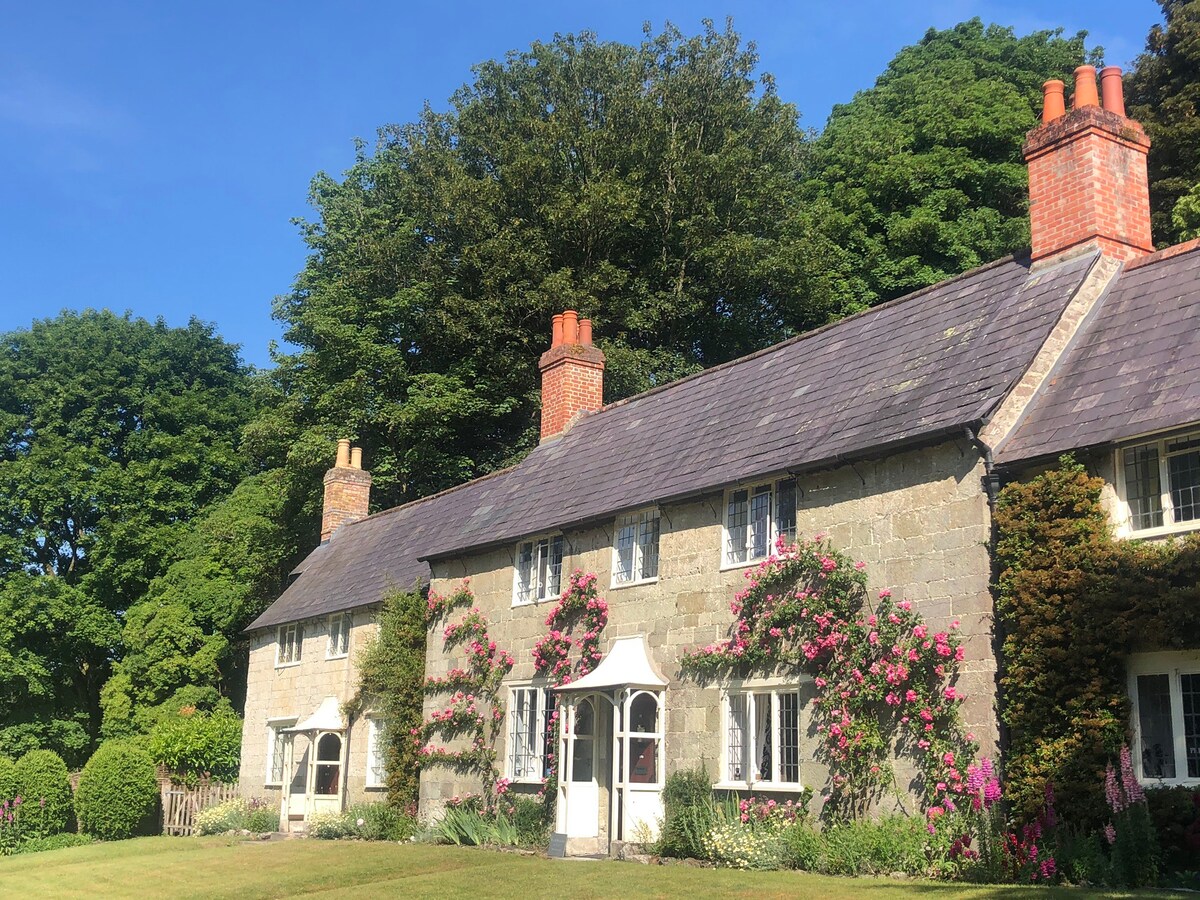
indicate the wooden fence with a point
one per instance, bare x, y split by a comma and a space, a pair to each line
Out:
181, 803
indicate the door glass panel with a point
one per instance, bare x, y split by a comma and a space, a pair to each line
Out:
329, 754
643, 761
300, 748
643, 714
1158, 734
583, 759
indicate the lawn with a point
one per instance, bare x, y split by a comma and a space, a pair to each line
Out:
221, 867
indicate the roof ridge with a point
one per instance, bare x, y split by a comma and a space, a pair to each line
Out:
1164, 254
812, 332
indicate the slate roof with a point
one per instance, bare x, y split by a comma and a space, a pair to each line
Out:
899, 374
1133, 369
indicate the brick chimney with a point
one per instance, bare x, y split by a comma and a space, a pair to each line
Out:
1087, 171
572, 374
347, 491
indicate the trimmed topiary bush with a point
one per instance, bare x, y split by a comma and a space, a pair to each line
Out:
44, 784
117, 791
8, 778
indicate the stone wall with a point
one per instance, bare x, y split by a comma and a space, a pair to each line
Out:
918, 519
295, 692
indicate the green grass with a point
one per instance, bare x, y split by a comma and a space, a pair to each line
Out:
222, 867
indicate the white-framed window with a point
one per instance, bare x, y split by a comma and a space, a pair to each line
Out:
539, 569
1160, 485
755, 516
1165, 690
529, 710
339, 635
288, 644
635, 548
760, 745
376, 770
277, 740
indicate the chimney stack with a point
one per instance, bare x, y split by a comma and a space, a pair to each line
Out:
572, 374
347, 491
1087, 171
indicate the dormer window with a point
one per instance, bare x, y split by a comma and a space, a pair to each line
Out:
538, 570
1161, 485
755, 517
635, 548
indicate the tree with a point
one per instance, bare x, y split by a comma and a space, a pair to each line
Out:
1163, 93
652, 187
114, 433
925, 167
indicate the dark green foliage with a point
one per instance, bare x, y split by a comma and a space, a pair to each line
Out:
118, 791
380, 822
8, 778
1175, 814
653, 187
392, 682
689, 811
1071, 602
1163, 93
195, 744
52, 842
44, 784
533, 820
924, 169
114, 433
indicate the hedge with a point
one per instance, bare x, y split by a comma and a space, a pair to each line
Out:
44, 785
118, 790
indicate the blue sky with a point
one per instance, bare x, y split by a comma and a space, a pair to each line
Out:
154, 154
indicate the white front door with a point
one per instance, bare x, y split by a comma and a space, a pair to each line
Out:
297, 788
580, 787
327, 774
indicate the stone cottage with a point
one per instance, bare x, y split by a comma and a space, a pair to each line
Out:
890, 431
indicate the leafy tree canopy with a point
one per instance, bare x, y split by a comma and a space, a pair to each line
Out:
1163, 93
114, 432
925, 167
652, 187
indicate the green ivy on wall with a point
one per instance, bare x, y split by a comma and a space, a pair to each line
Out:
1072, 603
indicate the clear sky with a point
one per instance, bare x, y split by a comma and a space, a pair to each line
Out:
154, 153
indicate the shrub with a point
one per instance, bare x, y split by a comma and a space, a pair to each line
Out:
879, 847
53, 842
688, 814
532, 820
118, 790
8, 778
379, 822
195, 744
44, 784
1175, 813
471, 827
239, 814
743, 845
329, 826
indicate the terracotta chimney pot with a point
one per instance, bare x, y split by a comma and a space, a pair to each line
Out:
356, 457
343, 454
556, 330
1112, 89
585, 332
1053, 105
570, 327
1085, 88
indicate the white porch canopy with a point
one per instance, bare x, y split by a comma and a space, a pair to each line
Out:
628, 664
328, 717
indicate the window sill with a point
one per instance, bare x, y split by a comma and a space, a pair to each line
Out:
729, 567
1162, 531
287, 665
517, 604
621, 585
374, 787
768, 786
1156, 783
337, 656
273, 786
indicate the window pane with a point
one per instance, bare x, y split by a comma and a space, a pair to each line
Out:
760, 523
525, 572
1191, 722
626, 533
789, 738
736, 521
1143, 487
762, 737
643, 714
785, 510
1158, 733
735, 740
556, 560
278, 746
543, 568
648, 545
643, 761
1183, 472
549, 701
524, 736
376, 774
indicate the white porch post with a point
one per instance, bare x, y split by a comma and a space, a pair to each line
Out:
285, 791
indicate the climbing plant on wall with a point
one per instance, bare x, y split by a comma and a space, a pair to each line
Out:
474, 713
883, 678
1072, 602
564, 657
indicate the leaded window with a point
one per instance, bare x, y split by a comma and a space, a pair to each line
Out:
1165, 689
756, 517
762, 736
635, 551
1162, 483
539, 569
289, 643
530, 711
339, 635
